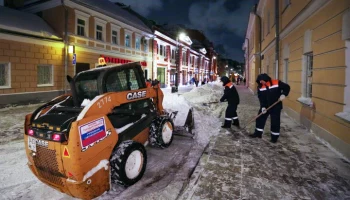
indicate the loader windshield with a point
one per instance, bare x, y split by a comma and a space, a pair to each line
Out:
86, 85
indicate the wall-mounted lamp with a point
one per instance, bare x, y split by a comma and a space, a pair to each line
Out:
214, 57
71, 49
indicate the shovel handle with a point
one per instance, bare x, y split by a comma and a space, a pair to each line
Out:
279, 100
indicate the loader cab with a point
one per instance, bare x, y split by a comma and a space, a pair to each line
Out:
103, 79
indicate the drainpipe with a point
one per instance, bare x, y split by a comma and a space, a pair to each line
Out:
260, 24
153, 60
247, 70
277, 37
65, 45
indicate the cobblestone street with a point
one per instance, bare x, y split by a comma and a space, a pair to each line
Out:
298, 166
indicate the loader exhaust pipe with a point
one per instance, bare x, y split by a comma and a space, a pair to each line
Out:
74, 91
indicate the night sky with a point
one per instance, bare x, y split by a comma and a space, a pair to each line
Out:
224, 22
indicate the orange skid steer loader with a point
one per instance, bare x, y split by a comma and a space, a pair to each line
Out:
80, 143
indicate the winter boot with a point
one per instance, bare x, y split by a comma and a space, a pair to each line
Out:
256, 134
236, 123
274, 138
227, 124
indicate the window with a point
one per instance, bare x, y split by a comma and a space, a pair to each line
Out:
309, 68
5, 75
123, 80
173, 53
114, 37
161, 50
99, 32
145, 45
138, 43
183, 58
127, 40
80, 27
45, 75
285, 71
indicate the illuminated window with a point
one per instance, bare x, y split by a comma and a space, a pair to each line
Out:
45, 75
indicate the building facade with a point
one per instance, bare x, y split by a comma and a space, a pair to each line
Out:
191, 63
43, 41
306, 44
91, 30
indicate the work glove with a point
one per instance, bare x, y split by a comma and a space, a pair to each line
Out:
282, 97
263, 110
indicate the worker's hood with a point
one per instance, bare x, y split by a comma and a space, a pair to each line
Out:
263, 77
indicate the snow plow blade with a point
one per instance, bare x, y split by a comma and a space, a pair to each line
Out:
187, 128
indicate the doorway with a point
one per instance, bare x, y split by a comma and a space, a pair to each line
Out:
161, 76
79, 67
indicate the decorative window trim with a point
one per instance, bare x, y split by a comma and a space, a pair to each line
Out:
8, 75
82, 16
52, 75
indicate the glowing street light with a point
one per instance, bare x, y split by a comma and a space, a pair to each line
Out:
182, 36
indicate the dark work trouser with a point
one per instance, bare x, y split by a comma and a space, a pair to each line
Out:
275, 114
230, 114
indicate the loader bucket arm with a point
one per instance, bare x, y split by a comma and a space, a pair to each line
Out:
158, 96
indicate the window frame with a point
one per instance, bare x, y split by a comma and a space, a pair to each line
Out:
8, 85
139, 41
346, 108
145, 45
99, 31
82, 16
309, 74
117, 29
127, 32
102, 23
52, 75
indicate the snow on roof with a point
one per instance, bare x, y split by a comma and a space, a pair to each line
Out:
14, 20
110, 9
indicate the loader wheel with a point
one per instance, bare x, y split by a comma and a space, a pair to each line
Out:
161, 132
128, 163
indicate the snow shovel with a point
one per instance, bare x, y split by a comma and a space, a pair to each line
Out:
261, 114
207, 104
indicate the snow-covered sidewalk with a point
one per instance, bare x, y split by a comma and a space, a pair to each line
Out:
299, 166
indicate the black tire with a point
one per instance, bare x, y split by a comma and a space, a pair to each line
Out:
156, 137
119, 172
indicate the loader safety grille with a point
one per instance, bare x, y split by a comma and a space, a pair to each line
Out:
46, 163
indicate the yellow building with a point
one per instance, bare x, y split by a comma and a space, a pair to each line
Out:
34, 41
313, 42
